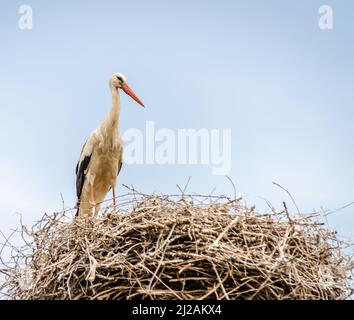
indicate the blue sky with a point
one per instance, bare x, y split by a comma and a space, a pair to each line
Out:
262, 68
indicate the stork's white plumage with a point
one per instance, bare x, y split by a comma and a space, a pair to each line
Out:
101, 156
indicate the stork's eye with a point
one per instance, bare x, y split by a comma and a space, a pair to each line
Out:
119, 78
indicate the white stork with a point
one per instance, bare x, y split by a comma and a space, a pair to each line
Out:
101, 156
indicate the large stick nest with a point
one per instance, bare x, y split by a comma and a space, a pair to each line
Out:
186, 247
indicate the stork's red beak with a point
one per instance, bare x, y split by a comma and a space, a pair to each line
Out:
131, 93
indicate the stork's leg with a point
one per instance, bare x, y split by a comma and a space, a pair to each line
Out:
114, 197
92, 200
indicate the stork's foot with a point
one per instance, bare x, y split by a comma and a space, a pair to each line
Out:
93, 208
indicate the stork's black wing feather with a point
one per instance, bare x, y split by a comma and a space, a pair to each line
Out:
80, 178
119, 167
80, 174
85, 157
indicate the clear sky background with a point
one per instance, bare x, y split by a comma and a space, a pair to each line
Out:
262, 68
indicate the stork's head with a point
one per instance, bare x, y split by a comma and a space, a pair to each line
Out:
119, 81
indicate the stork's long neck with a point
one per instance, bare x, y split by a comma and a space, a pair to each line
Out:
115, 108
112, 120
